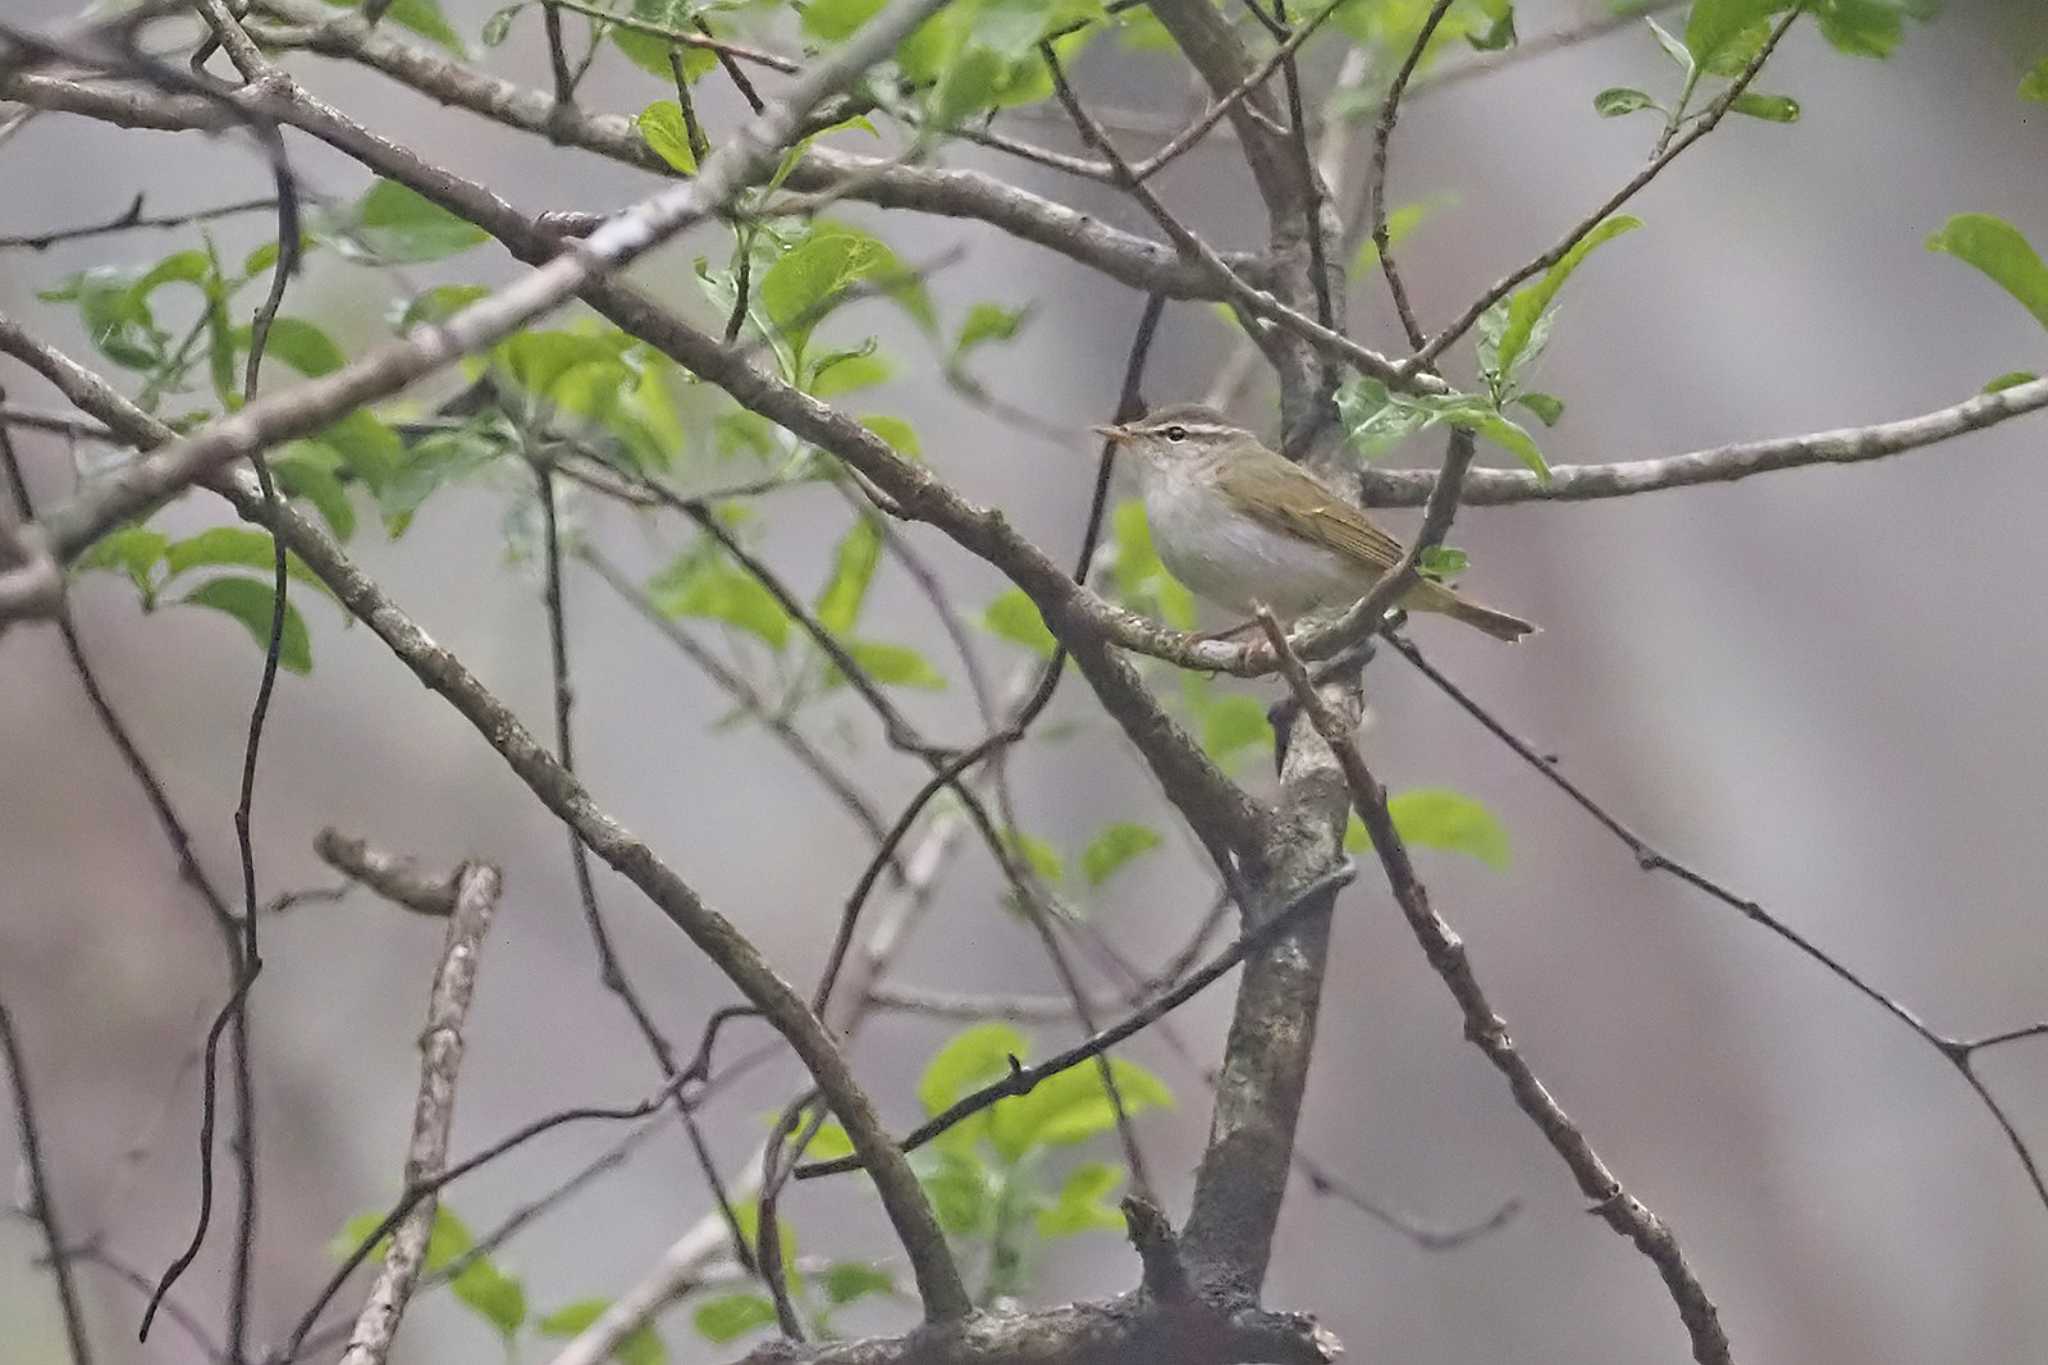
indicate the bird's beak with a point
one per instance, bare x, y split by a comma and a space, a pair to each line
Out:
1114, 435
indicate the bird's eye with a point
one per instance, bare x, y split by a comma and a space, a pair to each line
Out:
1176, 433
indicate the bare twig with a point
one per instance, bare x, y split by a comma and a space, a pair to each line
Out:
1376, 177
1622, 1211
397, 879
132, 218
476, 901
39, 1203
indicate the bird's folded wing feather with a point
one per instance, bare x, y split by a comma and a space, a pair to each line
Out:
1284, 497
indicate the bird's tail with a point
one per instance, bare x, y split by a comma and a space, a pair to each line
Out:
1438, 598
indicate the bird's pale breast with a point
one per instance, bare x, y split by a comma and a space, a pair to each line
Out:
1223, 555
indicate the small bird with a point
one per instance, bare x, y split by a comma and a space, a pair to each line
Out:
1244, 527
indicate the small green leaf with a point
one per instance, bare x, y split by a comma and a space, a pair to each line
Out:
662, 128
393, 224
1618, 100
1547, 407
2034, 85
1040, 856
812, 278
829, 1143
987, 322
836, 20
302, 473
2011, 379
843, 372
429, 465
860, 551
1497, 36
900, 436
1770, 108
497, 1297
134, 551
1436, 817
1510, 435
239, 546
1998, 249
1080, 1206
499, 26
1673, 49
1113, 847
1714, 24
1530, 302
249, 600
896, 665
438, 304
1233, 722
1072, 1107
1015, 617
732, 1316
1443, 561
969, 1060
423, 17
1401, 222
1376, 420
959, 1184
641, 1347
299, 344
1862, 28
702, 587
846, 1281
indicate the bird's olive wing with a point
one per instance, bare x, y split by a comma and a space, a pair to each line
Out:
1284, 497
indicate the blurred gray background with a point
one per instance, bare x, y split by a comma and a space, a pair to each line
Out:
1821, 686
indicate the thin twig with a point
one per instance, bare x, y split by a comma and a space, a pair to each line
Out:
39, 1202
1376, 177
1959, 1052
1486, 1030
132, 218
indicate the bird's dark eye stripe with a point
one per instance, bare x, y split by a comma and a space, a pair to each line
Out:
1176, 433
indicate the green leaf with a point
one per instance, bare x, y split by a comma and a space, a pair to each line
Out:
1673, 48
1040, 856
1443, 561
699, 586
2011, 379
423, 17
896, 665
1072, 1107
1735, 55
1530, 302
299, 344
1439, 818
249, 600
239, 546
969, 1060
1014, 617
1401, 222
843, 372
1080, 1206
1862, 28
438, 304
971, 84
1770, 108
1998, 249
1376, 420
959, 1184
429, 465
989, 322
649, 51
499, 26
2034, 85
1618, 100
812, 278
1142, 579
641, 1347
846, 1281
1547, 407
497, 1297
1114, 846
836, 20
899, 434
1233, 722
555, 365
1497, 36
829, 1143
302, 477
1714, 24
393, 224
134, 551
853, 571
732, 1316
1507, 433
662, 127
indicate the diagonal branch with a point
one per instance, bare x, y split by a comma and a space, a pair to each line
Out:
476, 901
38, 1202
1487, 1031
